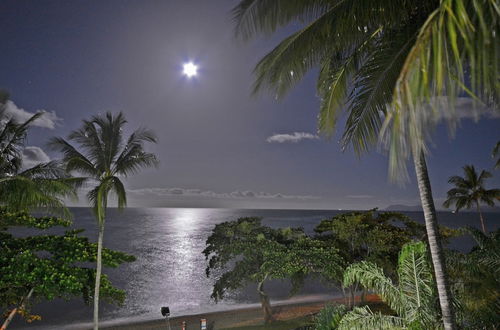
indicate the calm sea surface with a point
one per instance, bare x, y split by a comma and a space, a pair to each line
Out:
170, 268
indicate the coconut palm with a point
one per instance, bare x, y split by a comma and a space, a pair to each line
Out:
388, 64
105, 158
41, 186
469, 191
496, 154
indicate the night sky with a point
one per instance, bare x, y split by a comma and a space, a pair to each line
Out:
218, 145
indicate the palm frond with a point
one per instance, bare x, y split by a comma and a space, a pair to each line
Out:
372, 277
73, 159
373, 84
110, 135
263, 16
361, 318
133, 160
416, 283
119, 190
455, 53
336, 72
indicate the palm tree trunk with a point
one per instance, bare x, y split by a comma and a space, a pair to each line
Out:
434, 240
98, 275
266, 305
14, 311
481, 217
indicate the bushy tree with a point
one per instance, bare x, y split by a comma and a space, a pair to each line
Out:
244, 251
372, 236
47, 266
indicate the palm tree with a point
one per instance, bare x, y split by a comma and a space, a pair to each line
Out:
496, 153
389, 64
41, 186
105, 158
469, 190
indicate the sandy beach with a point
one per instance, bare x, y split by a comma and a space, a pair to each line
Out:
237, 317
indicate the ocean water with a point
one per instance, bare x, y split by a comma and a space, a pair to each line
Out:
170, 268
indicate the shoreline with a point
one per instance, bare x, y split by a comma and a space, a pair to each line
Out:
238, 317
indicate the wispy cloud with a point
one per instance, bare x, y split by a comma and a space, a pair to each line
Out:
33, 156
293, 137
359, 196
238, 194
466, 109
48, 120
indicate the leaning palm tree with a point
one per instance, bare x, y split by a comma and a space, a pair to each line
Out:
105, 158
496, 154
469, 191
391, 65
42, 186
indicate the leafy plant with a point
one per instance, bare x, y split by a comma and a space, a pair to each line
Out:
413, 298
329, 317
475, 278
45, 267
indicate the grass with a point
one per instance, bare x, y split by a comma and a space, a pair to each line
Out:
279, 325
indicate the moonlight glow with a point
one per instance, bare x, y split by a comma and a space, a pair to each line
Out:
190, 69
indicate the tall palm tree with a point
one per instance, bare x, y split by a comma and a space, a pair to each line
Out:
496, 154
388, 63
105, 158
470, 190
41, 186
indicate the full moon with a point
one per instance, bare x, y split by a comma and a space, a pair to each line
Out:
190, 69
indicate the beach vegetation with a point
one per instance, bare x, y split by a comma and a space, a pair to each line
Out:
104, 157
395, 67
40, 265
372, 236
475, 278
44, 185
244, 251
412, 298
469, 191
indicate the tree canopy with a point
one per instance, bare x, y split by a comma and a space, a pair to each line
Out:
244, 251
53, 266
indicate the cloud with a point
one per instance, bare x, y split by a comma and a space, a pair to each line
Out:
359, 196
465, 109
293, 138
238, 194
48, 120
33, 156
